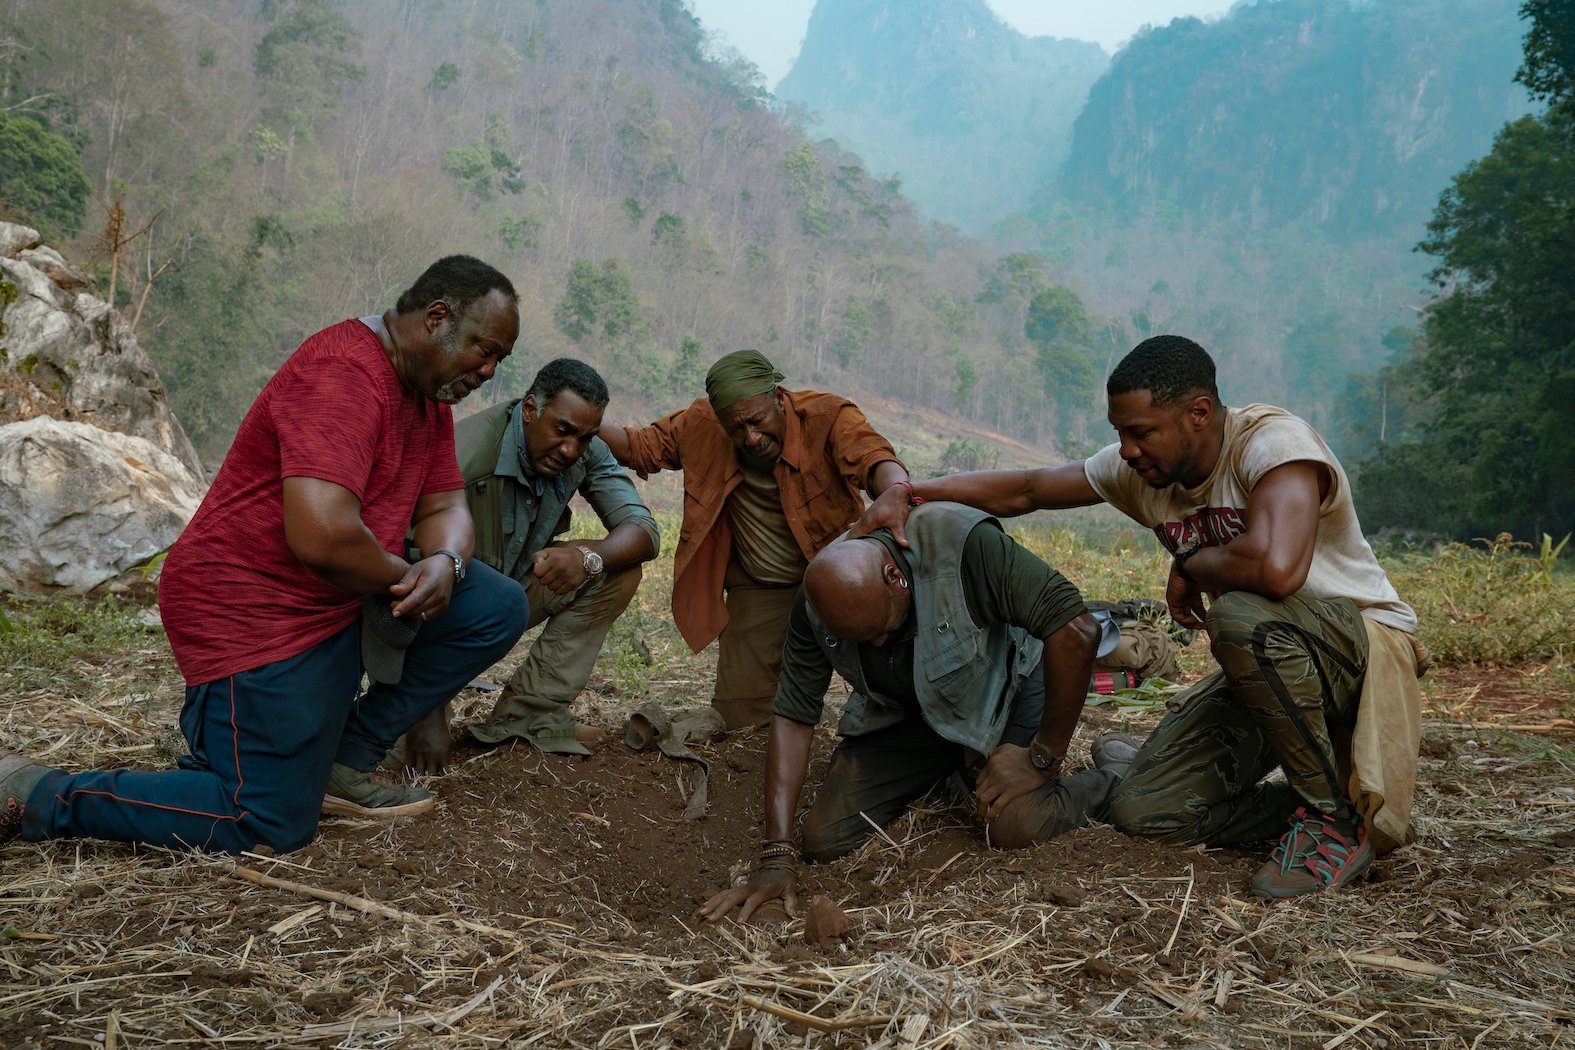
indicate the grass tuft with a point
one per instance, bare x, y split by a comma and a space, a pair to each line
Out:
1492, 602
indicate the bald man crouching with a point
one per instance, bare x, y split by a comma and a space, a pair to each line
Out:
962, 645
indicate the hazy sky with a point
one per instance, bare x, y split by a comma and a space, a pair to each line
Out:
769, 31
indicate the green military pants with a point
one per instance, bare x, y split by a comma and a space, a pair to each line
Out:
535, 705
873, 777
1289, 671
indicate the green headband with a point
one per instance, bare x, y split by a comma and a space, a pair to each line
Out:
738, 376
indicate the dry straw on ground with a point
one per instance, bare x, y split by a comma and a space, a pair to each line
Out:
549, 903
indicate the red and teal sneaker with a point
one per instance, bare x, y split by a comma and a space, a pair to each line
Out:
1319, 853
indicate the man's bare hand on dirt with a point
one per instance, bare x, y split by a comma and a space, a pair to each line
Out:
1006, 777
762, 887
428, 742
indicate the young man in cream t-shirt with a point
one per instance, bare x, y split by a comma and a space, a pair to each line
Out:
1269, 559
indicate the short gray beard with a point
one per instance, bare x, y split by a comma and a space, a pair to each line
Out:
454, 391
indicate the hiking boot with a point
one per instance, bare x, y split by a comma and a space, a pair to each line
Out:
1114, 751
18, 777
352, 793
1319, 853
394, 762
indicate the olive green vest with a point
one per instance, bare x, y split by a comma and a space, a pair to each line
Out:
964, 675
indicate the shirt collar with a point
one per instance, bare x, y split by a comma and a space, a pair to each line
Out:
512, 461
792, 434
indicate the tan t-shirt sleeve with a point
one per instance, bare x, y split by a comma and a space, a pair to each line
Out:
1279, 441
1116, 483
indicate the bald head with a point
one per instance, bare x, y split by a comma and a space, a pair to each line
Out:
857, 590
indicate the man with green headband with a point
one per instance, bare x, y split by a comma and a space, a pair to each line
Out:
771, 476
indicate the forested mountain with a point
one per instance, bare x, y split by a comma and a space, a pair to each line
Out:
1474, 437
1260, 181
970, 113
260, 168
1352, 116
1256, 181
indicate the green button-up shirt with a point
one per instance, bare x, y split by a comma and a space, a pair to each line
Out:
517, 511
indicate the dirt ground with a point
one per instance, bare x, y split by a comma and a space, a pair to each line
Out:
549, 901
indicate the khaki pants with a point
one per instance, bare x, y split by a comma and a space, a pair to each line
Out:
749, 653
1290, 679
535, 705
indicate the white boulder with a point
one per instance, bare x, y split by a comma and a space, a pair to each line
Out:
81, 506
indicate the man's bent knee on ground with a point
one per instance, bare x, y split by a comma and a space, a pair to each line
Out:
349, 448
522, 462
962, 649
1269, 556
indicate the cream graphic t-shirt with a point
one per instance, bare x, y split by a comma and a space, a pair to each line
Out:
1259, 438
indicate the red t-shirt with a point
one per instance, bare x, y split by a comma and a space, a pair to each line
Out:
231, 593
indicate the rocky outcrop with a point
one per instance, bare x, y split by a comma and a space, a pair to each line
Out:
68, 354
81, 506
96, 474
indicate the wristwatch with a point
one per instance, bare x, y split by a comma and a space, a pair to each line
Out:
1045, 760
1184, 551
593, 561
459, 564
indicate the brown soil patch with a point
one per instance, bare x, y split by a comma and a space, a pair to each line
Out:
550, 901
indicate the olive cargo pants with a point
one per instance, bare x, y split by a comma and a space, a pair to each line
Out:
536, 705
1289, 671
874, 777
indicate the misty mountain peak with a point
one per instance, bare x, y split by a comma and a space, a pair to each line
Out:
897, 80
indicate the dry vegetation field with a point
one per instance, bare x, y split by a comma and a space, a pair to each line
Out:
548, 901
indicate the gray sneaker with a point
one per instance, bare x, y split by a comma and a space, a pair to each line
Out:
18, 777
352, 793
1114, 751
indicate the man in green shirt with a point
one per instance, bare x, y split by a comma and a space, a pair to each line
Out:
522, 462
966, 654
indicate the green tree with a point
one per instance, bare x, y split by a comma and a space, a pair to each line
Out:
858, 325
965, 378
41, 177
1499, 366
1016, 278
670, 240
307, 57
445, 76
808, 185
1059, 328
687, 377
1549, 67
598, 300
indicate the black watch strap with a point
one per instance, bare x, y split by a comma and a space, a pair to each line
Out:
459, 564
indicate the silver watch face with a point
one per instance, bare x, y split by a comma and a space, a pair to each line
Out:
593, 562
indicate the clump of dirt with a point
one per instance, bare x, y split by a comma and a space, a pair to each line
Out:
825, 922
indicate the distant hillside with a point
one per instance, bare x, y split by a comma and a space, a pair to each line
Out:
279, 166
1352, 116
970, 113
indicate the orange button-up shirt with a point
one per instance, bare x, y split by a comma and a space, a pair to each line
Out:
829, 453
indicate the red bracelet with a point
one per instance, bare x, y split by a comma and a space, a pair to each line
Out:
914, 499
